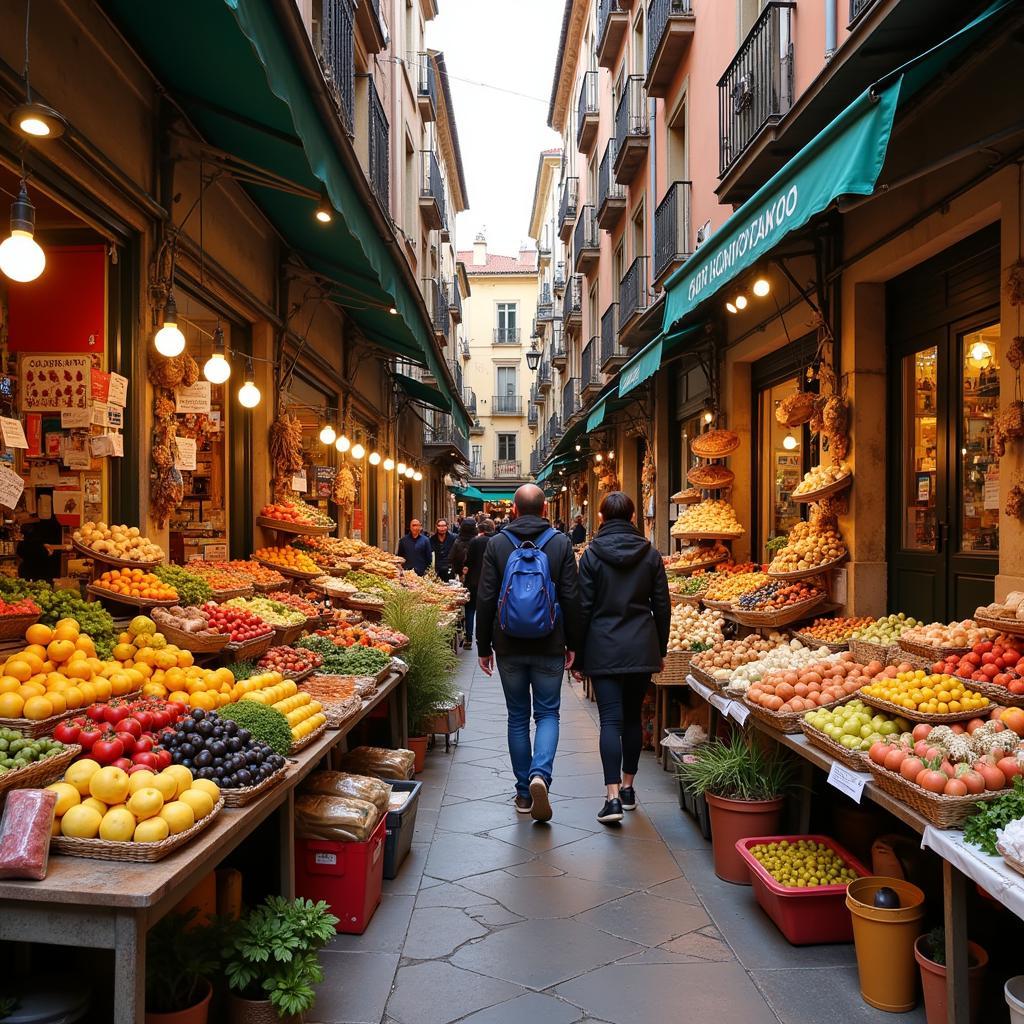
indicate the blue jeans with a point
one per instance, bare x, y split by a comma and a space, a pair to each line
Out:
539, 677
470, 618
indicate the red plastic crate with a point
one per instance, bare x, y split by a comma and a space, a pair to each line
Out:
348, 876
806, 917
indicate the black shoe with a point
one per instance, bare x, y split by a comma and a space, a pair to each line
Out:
524, 804
611, 812
541, 809
627, 794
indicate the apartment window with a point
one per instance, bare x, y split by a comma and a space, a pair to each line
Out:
639, 51
478, 458
618, 266
593, 317
411, 190
639, 234
507, 447
746, 14
677, 145
508, 322
592, 181
506, 381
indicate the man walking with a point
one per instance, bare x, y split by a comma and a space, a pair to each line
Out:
579, 532
474, 566
441, 544
529, 618
415, 548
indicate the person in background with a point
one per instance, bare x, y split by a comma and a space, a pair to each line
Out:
415, 548
459, 563
531, 670
626, 613
579, 532
559, 525
441, 544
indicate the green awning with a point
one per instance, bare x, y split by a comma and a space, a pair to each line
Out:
230, 67
845, 159
472, 493
646, 362
424, 393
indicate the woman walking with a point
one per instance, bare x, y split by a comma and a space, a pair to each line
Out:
459, 564
626, 617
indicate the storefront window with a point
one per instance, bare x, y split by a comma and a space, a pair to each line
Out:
919, 429
782, 464
979, 466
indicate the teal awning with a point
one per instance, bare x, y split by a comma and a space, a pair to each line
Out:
424, 393
472, 493
230, 66
646, 362
845, 159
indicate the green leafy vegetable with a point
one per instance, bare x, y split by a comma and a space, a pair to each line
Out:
192, 589
980, 829
263, 722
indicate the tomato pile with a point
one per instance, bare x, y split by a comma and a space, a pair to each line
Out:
289, 660
777, 595
241, 624
26, 606
1000, 662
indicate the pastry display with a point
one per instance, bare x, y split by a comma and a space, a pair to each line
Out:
715, 444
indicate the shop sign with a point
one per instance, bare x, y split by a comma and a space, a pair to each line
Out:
54, 440
11, 486
194, 399
50, 383
13, 432
324, 476
99, 385
215, 552
117, 392
34, 430
71, 419
185, 457
357, 520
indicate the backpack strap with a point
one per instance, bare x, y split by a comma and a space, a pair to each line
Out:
545, 537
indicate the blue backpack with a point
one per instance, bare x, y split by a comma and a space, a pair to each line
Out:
528, 609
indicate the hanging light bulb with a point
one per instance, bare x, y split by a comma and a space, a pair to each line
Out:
611, 455
417, 476
577, 447
741, 301
730, 307
389, 464
324, 209
761, 287
343, 444
709, 411
21, 258
169, 340
981, 353
358, 451
328, 434
217, 369
598, 457
564, 488
401, 469
37, 121
410, 472
789, 442
374, 458
248, 393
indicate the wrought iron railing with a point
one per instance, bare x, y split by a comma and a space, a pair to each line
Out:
532, 415
426, 80
555, 429
658, 14
506, 335
572, 302
584, 235
607, 187
631, 113
568, 200
558, 278
457, 373
544, 373
337, 53
444, 431
440, 314
506, 469
469, 398
604, 9
858, 7
545, 303
535, 461
590, 363
570, 398
633, 291
610, 347
757, 87
507, 405
431, 182
557, 338
477, 470
586, 103
672, 227
380, 149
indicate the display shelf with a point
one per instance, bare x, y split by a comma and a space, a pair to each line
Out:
806, 574
103, 594
824, 492
120, 563
299, 529
297, 574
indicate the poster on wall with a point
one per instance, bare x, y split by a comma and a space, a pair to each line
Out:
51, 383
193, 399
67, 505
11, 486
117, 390
13, 432
324, 476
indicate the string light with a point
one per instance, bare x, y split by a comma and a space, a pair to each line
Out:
343, 444
169, 340
730, 307
374, 458
789, 442
389, 464
401, 469
409, 472
417, 476
358, 451
761, 287
598, 457
217, 369
328, 435
248, 393
741, 301
21, 257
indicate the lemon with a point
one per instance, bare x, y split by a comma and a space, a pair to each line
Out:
200, 802
117, 826
81, 822
178, 815
146, 802
152, 830
67, 797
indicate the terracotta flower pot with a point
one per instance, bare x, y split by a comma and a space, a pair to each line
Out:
196, 1014
256, 1011
418, 745
739, 819
933, 982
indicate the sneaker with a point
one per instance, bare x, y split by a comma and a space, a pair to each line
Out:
467, 645
524, 804
541, 809
627, 794
611, 812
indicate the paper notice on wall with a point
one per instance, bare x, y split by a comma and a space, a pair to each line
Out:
11, 486
117, 393
13, 432
116, 445
185, 459
193, 399
54, 382
99, 414
71, 419
99, 385
46, 475
991, 490
76, 458
115, 417
107, 445
299, 482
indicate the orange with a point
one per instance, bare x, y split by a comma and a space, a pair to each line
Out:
78, 670
102, 688
58, 702
74, 697
88, 691
68, 632
38, 634
37, 708
8, 684
31, 689
37, 650
19, 668
11, 705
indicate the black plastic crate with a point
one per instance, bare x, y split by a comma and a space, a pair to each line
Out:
692, 803
401, 825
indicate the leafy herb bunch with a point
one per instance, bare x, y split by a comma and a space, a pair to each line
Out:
981, 828
737, 769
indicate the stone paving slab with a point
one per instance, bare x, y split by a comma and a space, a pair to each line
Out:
436, 932
454, 855
438, 993
539, 898
355, 988
648, 920
532, 1007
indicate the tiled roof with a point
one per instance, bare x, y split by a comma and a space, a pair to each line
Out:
498, 264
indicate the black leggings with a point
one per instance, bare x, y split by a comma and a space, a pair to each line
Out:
619, 700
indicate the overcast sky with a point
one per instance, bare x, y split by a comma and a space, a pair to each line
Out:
501, 134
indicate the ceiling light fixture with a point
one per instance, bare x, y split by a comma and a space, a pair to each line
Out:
761, 287
730, 307
324, 209
37, 121
417, 476
21, 257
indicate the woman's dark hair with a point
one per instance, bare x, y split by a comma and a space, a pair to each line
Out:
467, 531
617, 505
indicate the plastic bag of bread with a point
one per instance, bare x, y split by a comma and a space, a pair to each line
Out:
379, 762
359, 787
25, 831
340, 819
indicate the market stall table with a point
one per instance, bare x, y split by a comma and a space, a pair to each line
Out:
78, 898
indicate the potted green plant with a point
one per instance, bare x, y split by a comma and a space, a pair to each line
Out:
181, 958
432, 661
271, 961
744, 786
930, 953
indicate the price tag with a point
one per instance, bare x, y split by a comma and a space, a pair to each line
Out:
11, 486
850, 783
13, 432
117, 393
738, 711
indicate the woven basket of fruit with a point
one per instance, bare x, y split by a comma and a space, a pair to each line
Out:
928, 651
284, 635
936, 808
804, 574
286, 570
197, 643
920, 716
865, 651
248, 651
853, 759
310, 737
787, 721
12, 627
39, 773
824, 492
301, 529
813, 642
135, 601
779, 616
109, 559
246, 794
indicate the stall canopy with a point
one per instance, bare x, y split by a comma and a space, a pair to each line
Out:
241, 86
424, 393
646, 362
472, 493
843, 160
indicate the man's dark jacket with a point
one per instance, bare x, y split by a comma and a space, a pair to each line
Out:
442, 551
416, 552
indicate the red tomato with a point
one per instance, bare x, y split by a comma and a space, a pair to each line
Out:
932, 780
107, 749
67, 732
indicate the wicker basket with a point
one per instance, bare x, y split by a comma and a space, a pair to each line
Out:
806, 574
865, 651
932, 653
360, 606
285, 571
140, 853
339, 712
298, 745
725, 535
40, 773
193, 642
220, 596
698, 477
33, 728
780, 616
120, 563
721, 606
789, 721
938, 809
996, 694
814, 642
285, 635
920, 716
677, 668
302, 529
246, 795
251, 650
824, 492
704, 677
1012, 626
703, 445
102, 593
269, 588
853, 760
689, 568
693, 600
12, 627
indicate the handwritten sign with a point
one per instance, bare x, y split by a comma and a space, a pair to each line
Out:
99, 414
848, 782
50, 383
77, 458
11, 487
71, 419
13, 432
117, 392
299, 482
738, 711
194, 399
185, 459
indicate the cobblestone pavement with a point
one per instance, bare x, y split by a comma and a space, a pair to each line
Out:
496, 919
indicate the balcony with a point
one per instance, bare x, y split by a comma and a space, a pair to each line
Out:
757, 87
426, 86
457, 373
631, 135
456, 303
436, 293
613, 355
672, 231
545, 304
570, 400
670, 25
587, 112
612, 26
476, 429
371, 25
432, 204
543, 380
558, 280
555, 428
590, 368
506, 336
469, 399
532, 415
535, 462
586, 246
572, 303
611, 196
443, 434
507, 469
337, 55
567, 203
477, 470
507, 405
379, 141
634, 299
464, 349
858, 7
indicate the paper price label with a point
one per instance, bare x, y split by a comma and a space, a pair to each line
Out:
329, 859
186, 453
848, 782
738, 711
11, 486
193, 399
13, 432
